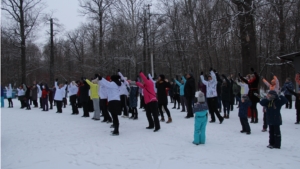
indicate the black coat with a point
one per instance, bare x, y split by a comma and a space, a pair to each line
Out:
226, 91
297, 95
273, 108
190, 88
161, 92
84, 93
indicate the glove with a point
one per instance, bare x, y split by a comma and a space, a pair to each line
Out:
82, 78
211, 69
201, 73
272, 74
215, 71
99, 77
119, 70
262, 77
252, 70
56, 79
96, 75
239, 74
141, 71
66, 82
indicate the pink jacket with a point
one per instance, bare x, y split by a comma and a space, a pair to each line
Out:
297, 78
148, 89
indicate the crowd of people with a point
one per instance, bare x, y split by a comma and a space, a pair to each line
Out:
115, 95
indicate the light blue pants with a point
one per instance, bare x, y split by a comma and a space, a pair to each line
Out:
200, 127
2, 101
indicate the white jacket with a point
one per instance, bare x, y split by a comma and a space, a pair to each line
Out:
21, 92
9, 91
123, 87
39, 90
244, 88
112, 89
211, 86
59, 92
154, 82
73, 89
102, 91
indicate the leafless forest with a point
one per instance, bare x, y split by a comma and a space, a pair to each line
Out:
181, 35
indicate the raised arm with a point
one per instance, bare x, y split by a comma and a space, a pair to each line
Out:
203, 80
213, 76
55, 84
183, 78
179, 84
151, 78
24, 87
291, 91
227, 81
89, 82
266, 82
144, 78
139, 84
218, 78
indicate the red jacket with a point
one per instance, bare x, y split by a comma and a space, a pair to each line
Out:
44, 93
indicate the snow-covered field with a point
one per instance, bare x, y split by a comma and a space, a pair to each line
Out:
47, 140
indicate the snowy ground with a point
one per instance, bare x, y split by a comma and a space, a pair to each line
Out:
47, 140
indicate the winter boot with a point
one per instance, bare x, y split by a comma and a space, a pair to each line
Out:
162, 118
225, 116
169, 120
132, 115
135, 116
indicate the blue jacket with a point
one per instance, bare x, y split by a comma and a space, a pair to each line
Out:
181, 86
273, 108
287, 85
243, 110
2, 91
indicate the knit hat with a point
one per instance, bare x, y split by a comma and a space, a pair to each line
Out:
162, 77
245, 97
273, 94
191, 74
201, 97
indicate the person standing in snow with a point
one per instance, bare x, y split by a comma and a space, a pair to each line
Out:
9, 96
201, 109
171, 93
123, 94
253, 88
21, 96
2, 96
273, 104
274, 85
84, 97
39, 93
189, 94
288, 95
73, 90
114, 103
212, 96
34, 92
59, 94
297, 104
176, 93
297, 78
95, 97
103, 100
244, 104
150, 102
219, 91
226, 96
133, 97
45, 95
181, 87
27, 96
161, 85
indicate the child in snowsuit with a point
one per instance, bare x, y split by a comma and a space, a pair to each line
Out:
297, 104
245, 103
273, 104
200, 110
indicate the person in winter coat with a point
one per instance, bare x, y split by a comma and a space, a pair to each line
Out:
171, 93
273, 104
150, 102
73, 90
51, 97
226, 96
45, 96
244, 104
2, 96
103, 100
181, 88
65, 101
133, 97
84, 97
21, 96
39, 93
95, 97
212, 96
114, 103
27, 96
274, 85
142, 102
288, 95
176, 94
124, 93
297, 78
34, 92
219, 91
200, 119
189, 93
253, 88
9, 96
161, 86
297, 104
59, 94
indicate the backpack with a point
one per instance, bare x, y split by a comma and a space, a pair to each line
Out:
236, 89
201, 97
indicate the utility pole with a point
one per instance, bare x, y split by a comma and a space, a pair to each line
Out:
150, 51
145, 32
51, 53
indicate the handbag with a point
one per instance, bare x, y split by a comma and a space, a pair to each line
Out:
198, 107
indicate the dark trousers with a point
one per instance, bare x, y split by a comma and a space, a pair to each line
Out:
220, 103
226, 106
35, 103
73, 99
151, 113
298, 115
27, 103
254, 113
45, 105
275, 136
245, 124
166, 109
103, 107
183, 102
51, 103
40, 100
79, 104
171, 98
10, 103
213, 108
289, 103
65, 102
124, 105
59, 105
91, 106
115, 110
189, 103
265, 125
142, 103
85, 106
177, 99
